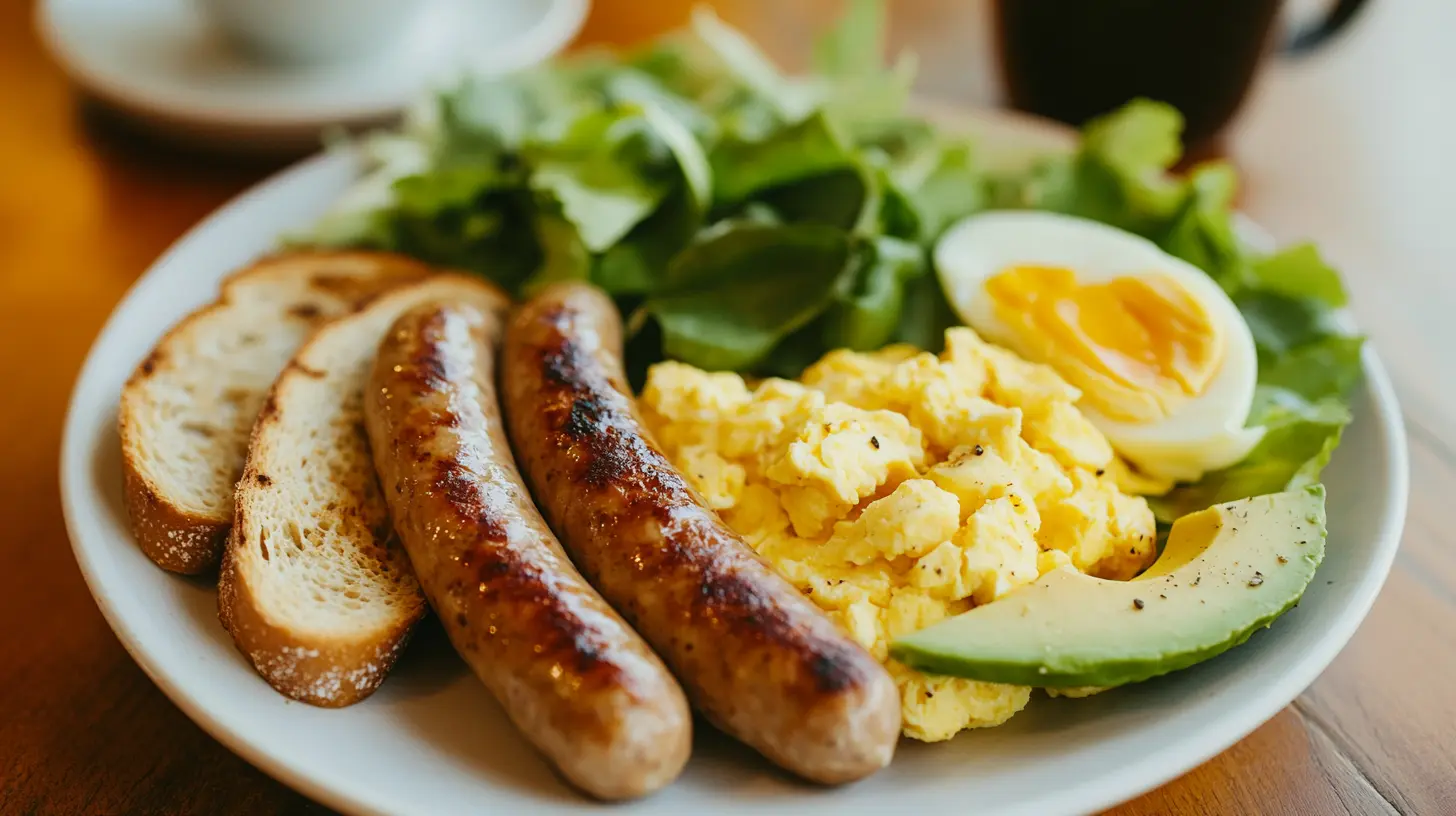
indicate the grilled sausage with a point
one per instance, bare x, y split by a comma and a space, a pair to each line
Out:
574, 678
756, 657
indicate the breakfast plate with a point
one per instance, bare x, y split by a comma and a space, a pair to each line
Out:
432, 740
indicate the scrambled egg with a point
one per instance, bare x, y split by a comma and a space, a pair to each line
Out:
896, 488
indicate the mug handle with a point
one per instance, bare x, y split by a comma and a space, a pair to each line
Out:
1309, 38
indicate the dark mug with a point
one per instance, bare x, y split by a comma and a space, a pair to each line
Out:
1072, 60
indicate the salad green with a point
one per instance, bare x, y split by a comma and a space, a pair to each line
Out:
749, 220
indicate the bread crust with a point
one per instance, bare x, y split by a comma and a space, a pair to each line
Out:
338, 668
175, 540
191, 542
320, 672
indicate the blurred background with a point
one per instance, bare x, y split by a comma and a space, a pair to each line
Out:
266, 76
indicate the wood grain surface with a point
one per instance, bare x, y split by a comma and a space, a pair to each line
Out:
1352, 147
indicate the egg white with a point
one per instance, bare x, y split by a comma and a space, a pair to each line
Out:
1204, 433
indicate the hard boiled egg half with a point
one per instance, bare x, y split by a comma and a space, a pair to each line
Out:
1164, 361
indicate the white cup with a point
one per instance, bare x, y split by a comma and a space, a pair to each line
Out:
312, 31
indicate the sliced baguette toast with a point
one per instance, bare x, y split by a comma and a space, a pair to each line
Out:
187, 411
315, 588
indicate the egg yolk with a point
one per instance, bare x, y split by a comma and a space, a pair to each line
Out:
1137, 347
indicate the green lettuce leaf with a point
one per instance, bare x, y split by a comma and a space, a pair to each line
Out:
1298, 272
636, 264
854, 47
730, 299
863, 198
892, 210
1202, 233
671, 66
867, 312
1299, 439
1139, 141
943, 185
1326, 368
901, 138
692, 162
809, 148
853, 85
837, 199
1281, 324
630, 86
925, 315
603, 174
564, 257
1118, 176
751, 68
495, 237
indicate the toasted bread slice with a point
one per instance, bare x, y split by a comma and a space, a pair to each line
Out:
315, 587
188, 409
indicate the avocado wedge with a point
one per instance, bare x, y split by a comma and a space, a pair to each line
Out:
1226, 572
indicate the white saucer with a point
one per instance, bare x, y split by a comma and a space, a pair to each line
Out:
161, 62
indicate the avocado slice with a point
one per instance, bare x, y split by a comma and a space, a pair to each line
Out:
1225, 572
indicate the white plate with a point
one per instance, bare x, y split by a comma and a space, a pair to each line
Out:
432, 741
161, 61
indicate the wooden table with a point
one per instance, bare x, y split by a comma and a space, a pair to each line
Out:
1352, 147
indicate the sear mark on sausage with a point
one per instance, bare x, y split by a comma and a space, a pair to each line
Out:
590, 416
461, 488
505, 577
509, 581
429, 367
583, 419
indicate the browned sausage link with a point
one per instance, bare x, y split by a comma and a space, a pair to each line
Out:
760, 660
575, 679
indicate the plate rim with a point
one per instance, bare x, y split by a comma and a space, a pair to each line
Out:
1128, 781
